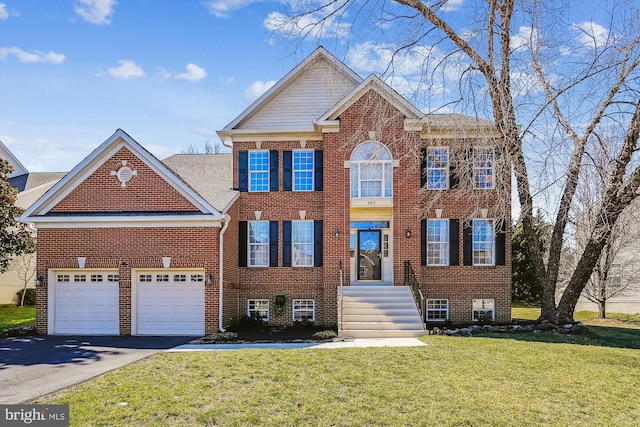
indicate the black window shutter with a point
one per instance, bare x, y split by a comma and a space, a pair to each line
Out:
454, 179
243, 170
501, 244
423, 242
467, 244
273, 170
454, 242
287, 171
317, 243
242, 244
286, 243
273, 243
318, 170
423, 169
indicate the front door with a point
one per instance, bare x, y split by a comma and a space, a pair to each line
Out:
369, 255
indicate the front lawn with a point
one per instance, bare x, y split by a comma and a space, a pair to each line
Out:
15, 317
452, 381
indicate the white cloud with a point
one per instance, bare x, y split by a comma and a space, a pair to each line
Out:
452, 5
30, 57
524, 37
256, 89
3, 11
592, 35
194, 73
96, 11
310, 25
223, 8
126, 70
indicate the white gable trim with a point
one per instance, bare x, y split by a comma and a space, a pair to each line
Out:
146, 221
18, 168
225, 134
96, 159
370, 83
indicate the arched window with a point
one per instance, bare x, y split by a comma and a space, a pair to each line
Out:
371, 171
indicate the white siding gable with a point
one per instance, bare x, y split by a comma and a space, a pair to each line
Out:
303, 100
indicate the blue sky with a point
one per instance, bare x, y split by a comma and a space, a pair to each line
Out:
170, 73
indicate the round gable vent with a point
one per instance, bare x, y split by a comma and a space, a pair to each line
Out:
125, 174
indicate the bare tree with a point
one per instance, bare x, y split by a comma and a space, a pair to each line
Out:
549, 86
25, 268
208, 149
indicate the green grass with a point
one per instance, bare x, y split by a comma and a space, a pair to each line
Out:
450, 382
15, 317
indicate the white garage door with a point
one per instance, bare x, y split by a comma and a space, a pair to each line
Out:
169, 303
85, 302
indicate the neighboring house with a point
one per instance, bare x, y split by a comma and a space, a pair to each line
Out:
319, 192
30, 186
616, 277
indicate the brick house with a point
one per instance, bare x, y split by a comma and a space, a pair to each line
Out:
338, 194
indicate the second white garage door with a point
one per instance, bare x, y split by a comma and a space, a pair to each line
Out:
169, 303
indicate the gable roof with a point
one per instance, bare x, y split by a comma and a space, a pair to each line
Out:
210, 175
120, 139
298, 98
18, 168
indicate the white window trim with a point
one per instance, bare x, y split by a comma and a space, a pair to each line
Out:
475, 311
445, 169
492, 241
249, 245
258, 300
298, 310
477, 168
312, 170
294, 261
250, 172
446, 309
446, 257
384, 179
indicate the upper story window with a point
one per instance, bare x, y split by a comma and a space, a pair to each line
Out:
371, 171
437, 168
303, 243
483, 165
259, 170
303, 170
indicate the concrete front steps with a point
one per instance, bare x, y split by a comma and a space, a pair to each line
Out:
378, 312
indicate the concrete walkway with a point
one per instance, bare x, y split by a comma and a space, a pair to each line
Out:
357, 342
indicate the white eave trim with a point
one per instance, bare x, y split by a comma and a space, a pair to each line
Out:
126, 221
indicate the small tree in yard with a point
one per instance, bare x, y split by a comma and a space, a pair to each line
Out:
524, 286
15, 240
25, 268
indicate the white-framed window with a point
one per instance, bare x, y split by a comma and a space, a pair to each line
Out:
63, 278
197, 277
113, 278
483, 164
483, 242
258, 307
437, 242
162, 277
258, 243
437, 168
145, 278
96, 277
304, 309
437, 310
303, 170
259, 170
79, 277
179, 277
371, 171
302, 242
483, 310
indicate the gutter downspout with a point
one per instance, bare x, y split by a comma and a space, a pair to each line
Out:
226, 221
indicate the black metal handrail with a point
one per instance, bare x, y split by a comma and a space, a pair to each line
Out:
411, 280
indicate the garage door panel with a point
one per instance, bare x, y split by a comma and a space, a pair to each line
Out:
170, 308
84, 307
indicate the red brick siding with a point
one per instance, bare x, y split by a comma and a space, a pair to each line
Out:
102, 192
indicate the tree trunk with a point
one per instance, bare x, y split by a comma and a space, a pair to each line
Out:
602, 311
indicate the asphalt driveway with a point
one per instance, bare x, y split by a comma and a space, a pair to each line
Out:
34, 366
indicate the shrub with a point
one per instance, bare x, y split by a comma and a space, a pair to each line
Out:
246, 323
29, 296
325, 335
